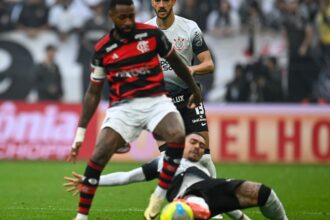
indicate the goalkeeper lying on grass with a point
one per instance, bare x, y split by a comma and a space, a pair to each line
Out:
206, 196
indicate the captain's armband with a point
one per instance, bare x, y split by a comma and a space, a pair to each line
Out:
98, 74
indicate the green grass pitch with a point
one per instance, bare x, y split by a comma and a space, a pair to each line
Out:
32, 190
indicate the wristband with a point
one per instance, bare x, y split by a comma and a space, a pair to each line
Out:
80, 135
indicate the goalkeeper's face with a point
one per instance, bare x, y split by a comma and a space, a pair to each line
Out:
194, 147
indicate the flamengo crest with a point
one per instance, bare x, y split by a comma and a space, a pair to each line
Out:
143, 46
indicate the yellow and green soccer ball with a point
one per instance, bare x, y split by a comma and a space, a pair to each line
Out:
177, 211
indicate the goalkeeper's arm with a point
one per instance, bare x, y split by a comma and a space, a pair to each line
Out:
122, 178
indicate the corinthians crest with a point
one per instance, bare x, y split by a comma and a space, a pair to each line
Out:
179, 43
143, 46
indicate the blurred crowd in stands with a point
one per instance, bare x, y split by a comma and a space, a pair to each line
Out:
304, 24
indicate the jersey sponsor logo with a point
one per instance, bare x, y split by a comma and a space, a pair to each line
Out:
143, 46
140, 36
180, 43
133, 72
178, 99
203, 124
111, 48
198, 120
165, 65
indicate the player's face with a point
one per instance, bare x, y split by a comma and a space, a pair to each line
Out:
163, 8
123, 16
194, 147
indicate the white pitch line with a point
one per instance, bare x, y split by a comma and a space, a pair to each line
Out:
295, 212
69, 210
141, 210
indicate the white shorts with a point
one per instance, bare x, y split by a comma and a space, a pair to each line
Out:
131, 117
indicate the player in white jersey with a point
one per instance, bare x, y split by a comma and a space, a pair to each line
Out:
206, 195
187, 39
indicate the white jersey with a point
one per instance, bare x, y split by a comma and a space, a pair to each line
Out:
187, 39
184, 165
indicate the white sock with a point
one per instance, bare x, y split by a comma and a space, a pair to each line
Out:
80, 216
160, 192
273, 209
237, 215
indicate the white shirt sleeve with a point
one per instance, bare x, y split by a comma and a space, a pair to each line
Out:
122, 178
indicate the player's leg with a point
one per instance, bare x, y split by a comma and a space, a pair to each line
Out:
251, 194
107, 143
195, 121
237, 215
171, 130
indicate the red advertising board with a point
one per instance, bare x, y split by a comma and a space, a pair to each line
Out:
277, 134
238, 133
41, 131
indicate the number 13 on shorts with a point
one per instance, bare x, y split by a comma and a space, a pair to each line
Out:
199, 109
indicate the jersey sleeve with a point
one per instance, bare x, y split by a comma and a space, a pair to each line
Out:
98, 73
164, 46
197, 40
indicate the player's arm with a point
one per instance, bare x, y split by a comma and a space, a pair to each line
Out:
183, 72
91, 100
146, 172
201, 51
165, 50
206, 64
111, 179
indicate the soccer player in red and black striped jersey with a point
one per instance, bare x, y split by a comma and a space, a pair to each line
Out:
127, 58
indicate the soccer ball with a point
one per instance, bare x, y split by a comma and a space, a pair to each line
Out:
177, 210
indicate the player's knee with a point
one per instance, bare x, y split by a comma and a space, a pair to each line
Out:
263, 194
176, 135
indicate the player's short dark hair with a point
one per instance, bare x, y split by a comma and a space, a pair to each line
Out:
113, 3
197, 133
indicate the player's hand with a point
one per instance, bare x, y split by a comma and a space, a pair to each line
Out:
191, 70
74, 183
195, 99
77, 143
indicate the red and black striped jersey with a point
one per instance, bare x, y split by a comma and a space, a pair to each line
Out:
131, 67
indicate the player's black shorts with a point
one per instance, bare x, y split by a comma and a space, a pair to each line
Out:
218, 193
194, 119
